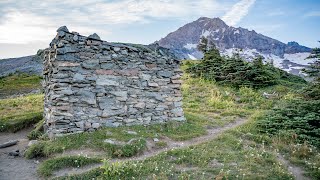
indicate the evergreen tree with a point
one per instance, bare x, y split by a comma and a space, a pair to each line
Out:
235, 70
313, 91
314, 70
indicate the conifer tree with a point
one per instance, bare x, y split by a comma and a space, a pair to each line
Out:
313, 91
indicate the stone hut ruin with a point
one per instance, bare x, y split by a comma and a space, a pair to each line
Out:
90, 83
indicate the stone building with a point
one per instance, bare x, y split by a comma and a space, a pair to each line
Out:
90, 83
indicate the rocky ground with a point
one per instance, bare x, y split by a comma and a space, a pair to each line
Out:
13, 166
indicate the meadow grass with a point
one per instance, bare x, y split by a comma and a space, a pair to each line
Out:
19, 84
47, 167
240, 153
18, 113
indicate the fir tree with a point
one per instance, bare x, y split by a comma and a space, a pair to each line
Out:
313, 91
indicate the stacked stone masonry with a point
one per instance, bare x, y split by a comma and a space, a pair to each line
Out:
91, 83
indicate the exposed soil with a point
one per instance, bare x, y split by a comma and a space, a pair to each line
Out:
16, 168
296, 171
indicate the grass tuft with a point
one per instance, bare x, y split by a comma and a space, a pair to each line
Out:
49, 166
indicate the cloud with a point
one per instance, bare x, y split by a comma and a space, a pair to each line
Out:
25, 27
312, 14
36, 20
237, 12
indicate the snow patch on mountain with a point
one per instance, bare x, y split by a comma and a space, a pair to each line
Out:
206, 33
292, 63
192, 57
190, 46
299, 58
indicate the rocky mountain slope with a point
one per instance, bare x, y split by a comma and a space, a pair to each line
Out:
290, 56
27, 64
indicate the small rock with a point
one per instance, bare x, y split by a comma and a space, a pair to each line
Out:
153, 84
114, 142
116, 49
75, 37
155, 139
95, 125
132, 132
32, 142
109, 133
63, 28
94, 36
140, 105
15, 154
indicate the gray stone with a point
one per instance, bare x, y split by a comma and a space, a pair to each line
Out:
146, 77
107, 102
109, 112
132, 132
178, 104
78, 77
165, 74
116, 49
65, 91
67, 49
152, 84
155, 95
107, 65
94, 36
155, 139
91, 64
61, 34
32, 142
114, 142
87, 97
75, 38
63, 28
80, 124
140, 105
67, 57
177, 111
121, 95
179, 118
106, 82
95, 125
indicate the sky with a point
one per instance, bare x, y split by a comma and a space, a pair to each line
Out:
29, 25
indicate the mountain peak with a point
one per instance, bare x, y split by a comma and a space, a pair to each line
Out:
212, 21
185, 39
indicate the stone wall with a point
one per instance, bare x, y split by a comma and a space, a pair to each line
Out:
91, 83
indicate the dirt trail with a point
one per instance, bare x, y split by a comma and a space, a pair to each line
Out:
297, 172
16, 168
211, 134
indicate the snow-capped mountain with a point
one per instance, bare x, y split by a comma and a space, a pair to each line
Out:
289, 57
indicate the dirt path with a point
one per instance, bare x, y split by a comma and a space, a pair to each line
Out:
16, 168
211, 134
297, 172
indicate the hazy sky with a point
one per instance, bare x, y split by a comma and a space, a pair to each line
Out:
28, 25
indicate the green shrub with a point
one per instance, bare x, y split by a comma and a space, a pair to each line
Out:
37, 131
128, 150
302, 117
42, 149
36, 150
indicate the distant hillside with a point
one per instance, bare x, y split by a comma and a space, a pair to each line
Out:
27, 64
